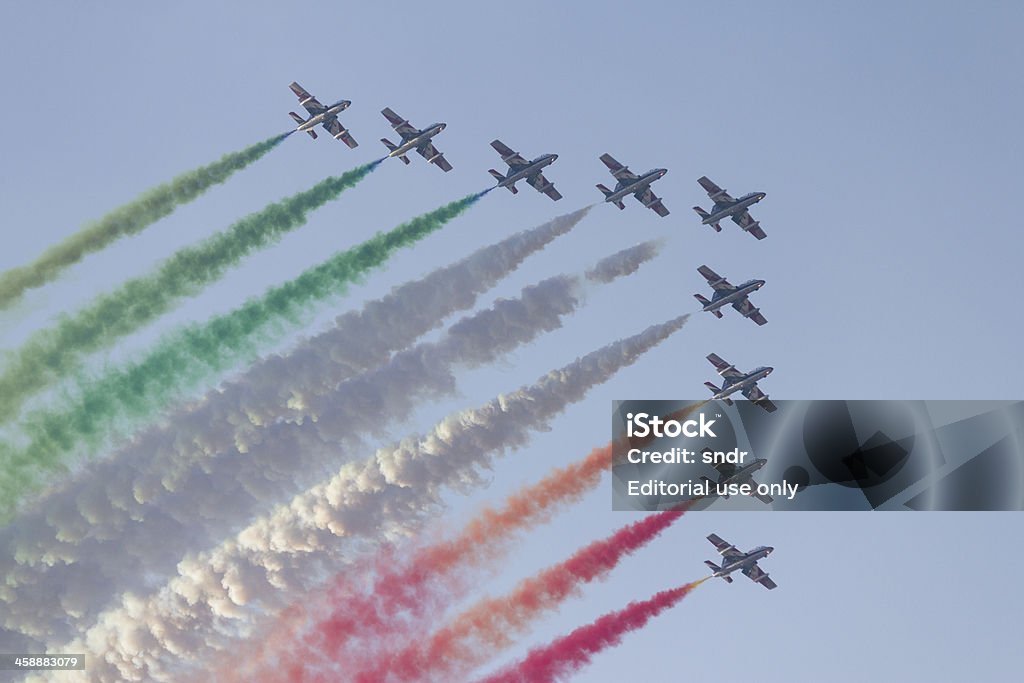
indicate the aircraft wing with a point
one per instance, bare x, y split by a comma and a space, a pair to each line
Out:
618, 170
716, 281
430, 153
401, 126
544, 185
755, 573
757, 396
508, 155
748, 310
652, 201
716, 193
724, 369
727, 550
306, 100
334, 127
747, 222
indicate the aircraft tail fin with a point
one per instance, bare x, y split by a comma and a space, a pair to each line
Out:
714, 567
714, 390
706, 302
392, 147
497, 176
299, 120
607, 193
704, 216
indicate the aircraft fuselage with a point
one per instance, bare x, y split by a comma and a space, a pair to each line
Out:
638, 185
721, 211
744, 472
330, 113
747, 560
741, 292
421, 138
530, 170
748, 380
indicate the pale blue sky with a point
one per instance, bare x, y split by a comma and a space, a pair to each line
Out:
886, 136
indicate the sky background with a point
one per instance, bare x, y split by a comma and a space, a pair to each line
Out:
886, 136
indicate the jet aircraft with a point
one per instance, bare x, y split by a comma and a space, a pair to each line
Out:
726, 294
521, 169
730, 474
727, 207
743, 382
746, 562
321, 115
630, 183
414, 138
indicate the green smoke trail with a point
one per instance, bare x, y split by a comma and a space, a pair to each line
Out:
128, 220
191, 359
50, 354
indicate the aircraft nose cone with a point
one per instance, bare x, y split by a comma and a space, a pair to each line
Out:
769, 371
554, 157
442, 126
769, 550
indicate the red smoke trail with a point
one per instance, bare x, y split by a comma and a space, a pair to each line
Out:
572, 652
347, 613
479, 632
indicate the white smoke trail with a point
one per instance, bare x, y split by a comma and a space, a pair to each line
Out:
134, 551
220, 595
625, 262
101, 503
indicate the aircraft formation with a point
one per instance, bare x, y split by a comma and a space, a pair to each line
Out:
724, 206
627, 183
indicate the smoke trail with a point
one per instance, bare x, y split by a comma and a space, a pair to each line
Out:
193, 357
212, 494
570, 653
346, 617
129, 219
218, 595
51, 353
626, 262
360, 340
482, 630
